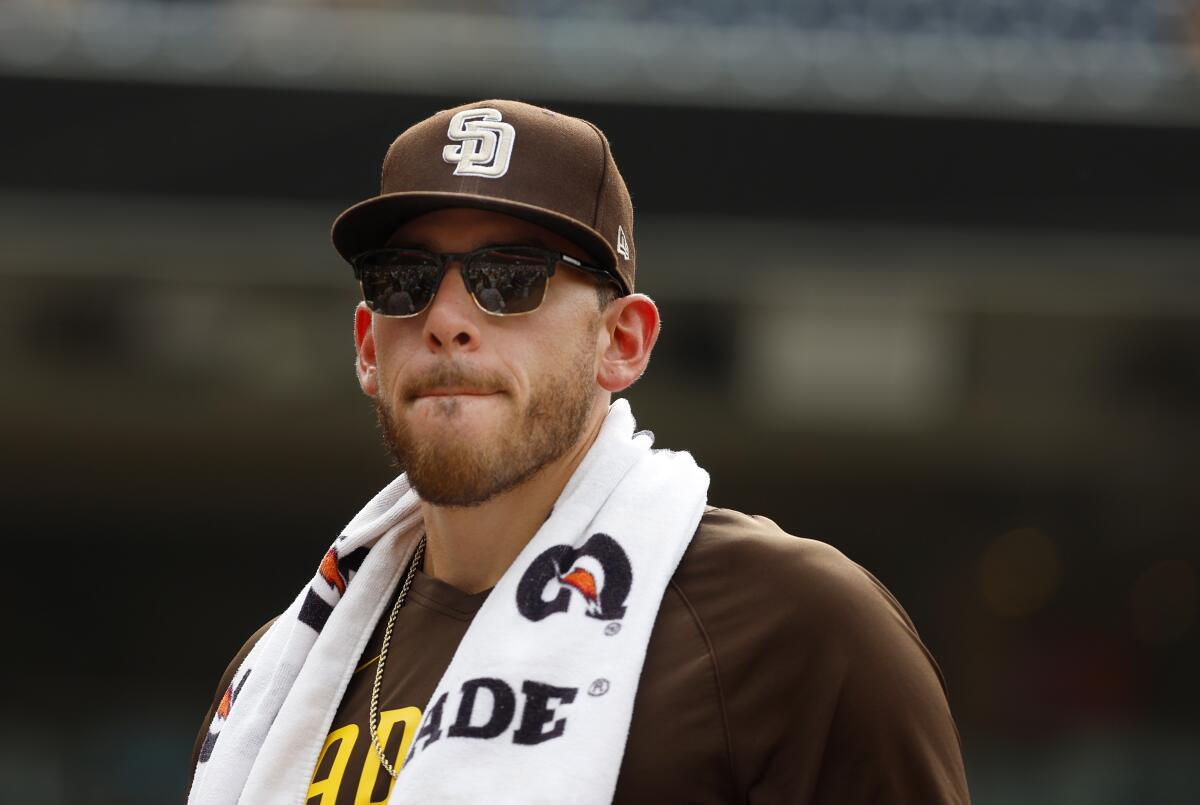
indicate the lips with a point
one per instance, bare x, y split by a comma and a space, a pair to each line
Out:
447, 396
452, 380
454, 392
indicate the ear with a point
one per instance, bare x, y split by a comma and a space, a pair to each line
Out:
629, 330
364, 345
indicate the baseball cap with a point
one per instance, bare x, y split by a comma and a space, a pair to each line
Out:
507, 156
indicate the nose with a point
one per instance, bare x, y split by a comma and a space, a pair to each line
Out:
451, 322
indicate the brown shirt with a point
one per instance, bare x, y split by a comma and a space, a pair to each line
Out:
778, 671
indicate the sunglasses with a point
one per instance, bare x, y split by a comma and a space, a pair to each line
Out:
503, 280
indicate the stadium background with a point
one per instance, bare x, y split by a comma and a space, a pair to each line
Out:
929, 274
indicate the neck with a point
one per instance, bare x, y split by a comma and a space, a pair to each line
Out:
470, 547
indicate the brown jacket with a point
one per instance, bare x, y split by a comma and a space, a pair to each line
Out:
778, 671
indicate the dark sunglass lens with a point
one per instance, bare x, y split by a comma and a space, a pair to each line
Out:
507, 281
398, 283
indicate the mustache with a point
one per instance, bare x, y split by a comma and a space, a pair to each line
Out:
452, 375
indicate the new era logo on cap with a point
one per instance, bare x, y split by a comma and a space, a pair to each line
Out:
622, 243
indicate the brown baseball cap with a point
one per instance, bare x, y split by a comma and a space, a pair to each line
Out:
510, 157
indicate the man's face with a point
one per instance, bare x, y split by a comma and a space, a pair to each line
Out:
471, 404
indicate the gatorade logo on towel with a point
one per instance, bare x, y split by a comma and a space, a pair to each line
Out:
487, 707
598, 573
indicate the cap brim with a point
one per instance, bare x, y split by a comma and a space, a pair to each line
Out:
368, 224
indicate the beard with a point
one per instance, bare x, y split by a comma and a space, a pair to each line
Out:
456, 470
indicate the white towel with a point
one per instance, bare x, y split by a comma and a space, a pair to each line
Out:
536, 703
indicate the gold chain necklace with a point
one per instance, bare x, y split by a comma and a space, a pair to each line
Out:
418, 554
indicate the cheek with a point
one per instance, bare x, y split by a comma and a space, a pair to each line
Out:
516, 364
566, 351
394, 348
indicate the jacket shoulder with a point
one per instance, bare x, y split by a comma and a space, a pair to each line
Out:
822, 673
750, 558
746, 577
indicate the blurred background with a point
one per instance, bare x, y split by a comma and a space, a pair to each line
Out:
930, 280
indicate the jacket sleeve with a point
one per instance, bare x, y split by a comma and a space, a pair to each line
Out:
226, 680
831, 697
891, 736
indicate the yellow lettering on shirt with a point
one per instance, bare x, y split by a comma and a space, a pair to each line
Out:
327, 790
372, 768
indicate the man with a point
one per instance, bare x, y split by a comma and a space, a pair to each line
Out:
542, 608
